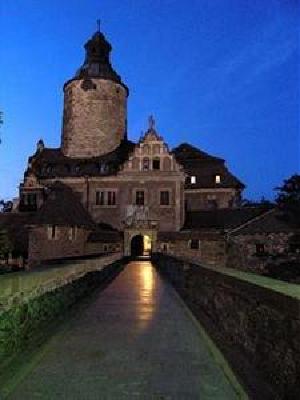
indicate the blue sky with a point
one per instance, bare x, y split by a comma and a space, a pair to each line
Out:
222, 75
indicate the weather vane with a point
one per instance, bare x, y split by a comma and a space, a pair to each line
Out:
98, 25
151, 122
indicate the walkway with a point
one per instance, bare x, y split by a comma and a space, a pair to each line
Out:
135, 341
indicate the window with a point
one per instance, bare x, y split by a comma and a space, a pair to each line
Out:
73, 233
156, 163
218, 178
260, 248
164, 247
164, 198
194, 244
146, 164
106, 198
193, 179
111, 198
52, 232
212, 204
140, 198
100, 198
30, 199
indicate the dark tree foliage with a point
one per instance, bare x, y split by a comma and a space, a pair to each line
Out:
5, 244
288, 198
263, 203
6, 206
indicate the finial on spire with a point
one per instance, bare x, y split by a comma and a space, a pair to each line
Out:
151, 121
98, 25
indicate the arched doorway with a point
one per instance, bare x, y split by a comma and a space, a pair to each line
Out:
137, 246
141, 246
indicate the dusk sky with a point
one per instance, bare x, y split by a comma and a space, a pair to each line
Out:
220, 74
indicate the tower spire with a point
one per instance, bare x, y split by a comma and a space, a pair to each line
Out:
98, 25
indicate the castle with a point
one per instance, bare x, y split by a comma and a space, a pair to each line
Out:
101, 192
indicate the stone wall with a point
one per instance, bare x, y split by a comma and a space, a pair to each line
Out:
170, 217
242, 252
211, 251
29, 302
42, 248
254, 320
94, 117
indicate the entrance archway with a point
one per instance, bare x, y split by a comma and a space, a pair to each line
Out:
137, 246
140, 246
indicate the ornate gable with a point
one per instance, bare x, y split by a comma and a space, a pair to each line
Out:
151, 153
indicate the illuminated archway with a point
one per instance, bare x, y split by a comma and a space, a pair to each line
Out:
140, 246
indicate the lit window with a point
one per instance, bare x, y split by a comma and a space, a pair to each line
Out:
164, 198
193, 179
140, 198
156, 163
218, 179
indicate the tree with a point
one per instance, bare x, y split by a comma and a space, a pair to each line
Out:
262, 203
288, 198
6, 206
5, 244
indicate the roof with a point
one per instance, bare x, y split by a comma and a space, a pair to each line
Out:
62, 207
105, 233
204, 167
52, 163
97, 62
186, 152
221, 219
274, 221
187, 235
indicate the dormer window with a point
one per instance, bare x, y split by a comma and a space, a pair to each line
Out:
193, 179
218, 178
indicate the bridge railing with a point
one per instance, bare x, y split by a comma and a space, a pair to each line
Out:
254, 320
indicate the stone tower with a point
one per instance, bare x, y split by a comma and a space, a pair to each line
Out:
95, 104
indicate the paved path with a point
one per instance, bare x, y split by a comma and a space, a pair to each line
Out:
135, 341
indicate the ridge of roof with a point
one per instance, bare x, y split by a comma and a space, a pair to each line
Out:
62, 207
187, 151
224, 219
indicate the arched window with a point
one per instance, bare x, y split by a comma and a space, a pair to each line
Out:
156, 163
146, 164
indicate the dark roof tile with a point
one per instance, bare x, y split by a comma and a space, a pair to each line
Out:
62, 207
221, 219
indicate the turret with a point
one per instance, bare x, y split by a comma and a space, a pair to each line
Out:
95, 104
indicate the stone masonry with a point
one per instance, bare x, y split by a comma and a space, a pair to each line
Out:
94, 120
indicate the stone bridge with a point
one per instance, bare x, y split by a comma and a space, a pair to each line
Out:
135, 338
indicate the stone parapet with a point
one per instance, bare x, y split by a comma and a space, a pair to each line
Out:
253, 319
